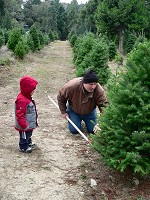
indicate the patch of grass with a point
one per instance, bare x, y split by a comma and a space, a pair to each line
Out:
47, 168
83, 177
141, 198
5, 61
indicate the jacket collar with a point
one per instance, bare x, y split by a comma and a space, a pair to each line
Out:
87, 95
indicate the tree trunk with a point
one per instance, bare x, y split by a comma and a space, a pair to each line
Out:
121, 40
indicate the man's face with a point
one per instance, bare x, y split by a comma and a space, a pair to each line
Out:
90, 87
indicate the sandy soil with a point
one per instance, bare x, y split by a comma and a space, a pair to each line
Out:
62, 166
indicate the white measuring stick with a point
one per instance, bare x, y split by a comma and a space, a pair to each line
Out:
71, 122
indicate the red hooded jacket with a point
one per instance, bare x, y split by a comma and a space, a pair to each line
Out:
25, 108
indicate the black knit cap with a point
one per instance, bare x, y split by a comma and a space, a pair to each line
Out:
90, 77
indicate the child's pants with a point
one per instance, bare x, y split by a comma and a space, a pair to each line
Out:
25, 139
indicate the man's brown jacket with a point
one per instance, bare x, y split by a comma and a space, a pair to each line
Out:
80, 101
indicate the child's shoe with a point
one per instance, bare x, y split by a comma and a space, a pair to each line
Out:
28, 150
33, 146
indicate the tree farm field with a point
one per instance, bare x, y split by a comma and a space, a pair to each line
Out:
63, 165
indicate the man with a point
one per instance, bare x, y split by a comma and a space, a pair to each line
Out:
78, 100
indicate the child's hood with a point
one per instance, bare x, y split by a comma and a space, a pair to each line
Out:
27, 85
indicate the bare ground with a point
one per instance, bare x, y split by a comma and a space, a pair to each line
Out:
62, 166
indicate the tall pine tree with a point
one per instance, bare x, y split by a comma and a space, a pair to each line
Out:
124, 141
115, 17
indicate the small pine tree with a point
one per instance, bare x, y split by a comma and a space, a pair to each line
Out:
1, 40
34, 38
21, 48
6, 35
92, 53
140, 39
82, 49
129, 40
76, 48
56, 35
73, 39
112, 50
124, 141
46, 39
71, 33
13, 39
41, 39
99, 60
51, 35
2, 37
30, 42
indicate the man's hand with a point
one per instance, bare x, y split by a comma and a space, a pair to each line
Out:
96, 128
65, 115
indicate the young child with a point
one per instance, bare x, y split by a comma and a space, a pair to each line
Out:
25, 113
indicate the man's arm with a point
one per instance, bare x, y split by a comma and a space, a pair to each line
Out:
101, 99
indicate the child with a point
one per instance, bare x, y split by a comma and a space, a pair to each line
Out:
25, 113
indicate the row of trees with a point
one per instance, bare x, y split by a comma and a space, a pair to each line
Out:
46, 16
124, 139
91, 51
121, 21
21, 42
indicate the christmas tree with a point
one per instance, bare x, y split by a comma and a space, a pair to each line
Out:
124, 141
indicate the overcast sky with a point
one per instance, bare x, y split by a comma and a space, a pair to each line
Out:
68, 1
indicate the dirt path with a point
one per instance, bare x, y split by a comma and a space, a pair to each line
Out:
51, 172
63, 165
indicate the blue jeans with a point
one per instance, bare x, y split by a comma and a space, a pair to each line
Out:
89, 119
25, 139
